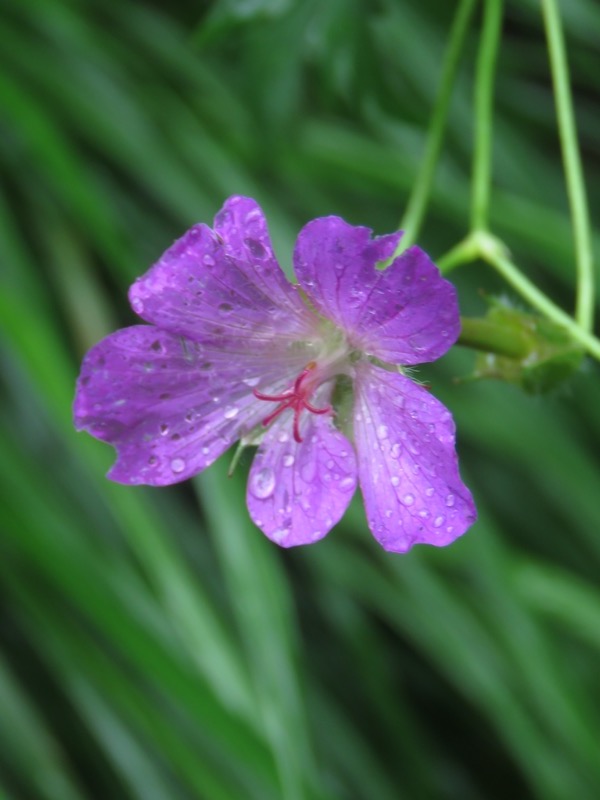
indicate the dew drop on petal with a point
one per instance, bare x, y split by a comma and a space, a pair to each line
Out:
438, 521
347, 483
395, 450
395, 480
382, 431
279, 535
178, 465
231, 412
225, 308
256, 248
288, 460
450, 500
164, 429
408, 499
262, 484
430, 491
208, 260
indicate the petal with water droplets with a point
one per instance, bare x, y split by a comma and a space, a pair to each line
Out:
297, 491
224, 286
405, 314
169, 405
407, 461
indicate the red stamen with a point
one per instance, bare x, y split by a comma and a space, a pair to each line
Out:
294, 398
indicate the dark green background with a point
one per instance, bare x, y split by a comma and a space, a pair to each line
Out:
153, 644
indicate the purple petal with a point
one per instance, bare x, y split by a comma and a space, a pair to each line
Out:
224, 286
169, 405
405, 314
408, 466
298, 491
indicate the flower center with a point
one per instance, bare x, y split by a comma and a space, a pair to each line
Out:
295, 398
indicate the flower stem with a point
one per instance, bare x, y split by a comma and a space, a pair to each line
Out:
537, 299
491, 337
484, 96
413, 217
493, 251
584, 307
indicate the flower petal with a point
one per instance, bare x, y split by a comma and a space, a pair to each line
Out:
224, 286
298, 491
408, 466
169, 405
405, 314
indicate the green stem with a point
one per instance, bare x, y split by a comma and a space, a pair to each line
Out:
413, 217
483, 334
537, 299
484, 97
584, 307
493, 251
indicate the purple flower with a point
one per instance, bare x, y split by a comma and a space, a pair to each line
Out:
307, 372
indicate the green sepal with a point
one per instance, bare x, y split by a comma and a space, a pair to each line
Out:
525, 349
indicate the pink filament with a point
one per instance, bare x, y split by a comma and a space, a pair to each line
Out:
295, 398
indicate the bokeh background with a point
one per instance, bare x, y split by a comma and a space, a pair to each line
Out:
154, 646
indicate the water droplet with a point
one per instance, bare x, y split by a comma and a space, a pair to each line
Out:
263, 482
205, 451
395, 480
438, 521
316, 535
413, 446
382, 431
388, 513
408, 499
189, 416
344, 454
137, 305
424, 513
225, 308
450, 500
256, 248
288, 460
330, 464
157, 347
430, 491
153, 460
231, 412
178, 465
347, 483
164, 429
208, 260
279, 535
251, 381
395, 450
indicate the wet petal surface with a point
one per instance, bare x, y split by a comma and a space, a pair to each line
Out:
224, 286
408, 467
405, 314
298, 491
169, 405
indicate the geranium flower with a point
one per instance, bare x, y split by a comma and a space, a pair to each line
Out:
313, 373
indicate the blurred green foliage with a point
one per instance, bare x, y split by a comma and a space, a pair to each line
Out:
154, 645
